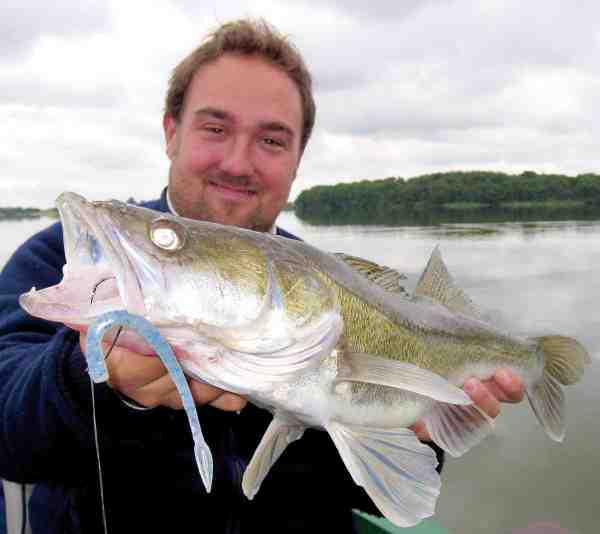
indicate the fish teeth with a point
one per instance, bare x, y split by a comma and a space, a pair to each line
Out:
32, 290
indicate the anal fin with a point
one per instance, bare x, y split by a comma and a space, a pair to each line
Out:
457, 428
279, 434
393, 466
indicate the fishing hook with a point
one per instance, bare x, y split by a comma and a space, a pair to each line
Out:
114, 341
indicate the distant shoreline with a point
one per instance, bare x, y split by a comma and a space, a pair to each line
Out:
443, 195
16, 213
516, 205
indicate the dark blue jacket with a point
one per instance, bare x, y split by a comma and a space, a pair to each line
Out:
151, 483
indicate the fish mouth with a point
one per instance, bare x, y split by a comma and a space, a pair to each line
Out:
97, 277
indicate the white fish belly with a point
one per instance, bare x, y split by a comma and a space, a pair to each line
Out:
315, 399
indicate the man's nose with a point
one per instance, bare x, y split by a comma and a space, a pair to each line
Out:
237, 159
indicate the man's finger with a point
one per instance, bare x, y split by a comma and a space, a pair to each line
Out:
153, 393
217, 398
420, 430
510, 386
482, 397
506, 386
173, 401
132, 370
230, 402
204, 393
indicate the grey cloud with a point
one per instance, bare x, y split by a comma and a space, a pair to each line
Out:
30, 88
390, 10
22, 22
327, 80
89, 147
112, 143
105, 158
465, 89
402, 112
483, 45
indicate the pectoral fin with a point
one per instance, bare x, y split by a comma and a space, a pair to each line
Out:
457, 428
280, 433
356, 367
394, 467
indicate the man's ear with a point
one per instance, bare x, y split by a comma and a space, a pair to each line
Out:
170, 130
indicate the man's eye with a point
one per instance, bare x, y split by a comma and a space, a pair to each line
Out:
273, 142
211, 129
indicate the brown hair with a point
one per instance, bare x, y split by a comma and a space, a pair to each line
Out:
246, 37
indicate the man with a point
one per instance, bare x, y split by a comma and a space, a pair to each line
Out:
239, 113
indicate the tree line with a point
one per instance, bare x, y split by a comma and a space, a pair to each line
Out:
26, 213
446, 190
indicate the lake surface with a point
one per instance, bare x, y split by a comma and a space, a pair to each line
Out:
538, 277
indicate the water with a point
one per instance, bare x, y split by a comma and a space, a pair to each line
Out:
15, 232
540, 277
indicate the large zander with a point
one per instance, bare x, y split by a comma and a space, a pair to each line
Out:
320, 340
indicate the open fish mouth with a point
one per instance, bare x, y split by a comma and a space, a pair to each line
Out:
97, 277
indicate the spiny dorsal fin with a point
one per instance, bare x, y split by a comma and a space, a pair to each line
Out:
437, 284
385, 277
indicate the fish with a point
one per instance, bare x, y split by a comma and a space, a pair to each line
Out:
321, 340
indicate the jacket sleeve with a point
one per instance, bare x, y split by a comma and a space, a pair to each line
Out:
46, 424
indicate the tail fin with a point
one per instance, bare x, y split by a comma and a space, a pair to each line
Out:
564, 363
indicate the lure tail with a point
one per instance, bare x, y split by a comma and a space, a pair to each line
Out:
99, 373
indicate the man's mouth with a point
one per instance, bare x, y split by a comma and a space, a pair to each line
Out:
233, 191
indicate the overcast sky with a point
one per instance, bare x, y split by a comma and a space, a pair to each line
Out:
403, 88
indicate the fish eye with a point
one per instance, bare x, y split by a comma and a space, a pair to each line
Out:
166, 234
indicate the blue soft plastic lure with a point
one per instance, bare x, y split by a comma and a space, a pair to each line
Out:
99, 373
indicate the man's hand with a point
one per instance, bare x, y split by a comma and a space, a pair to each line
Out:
505, 386
145, 380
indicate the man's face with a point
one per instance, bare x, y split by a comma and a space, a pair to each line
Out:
236, 148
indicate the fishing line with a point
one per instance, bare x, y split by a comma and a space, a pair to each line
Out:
96, 287
95, 422
96, 442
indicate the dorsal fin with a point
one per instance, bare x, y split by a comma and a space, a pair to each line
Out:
385, 277
436, 283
